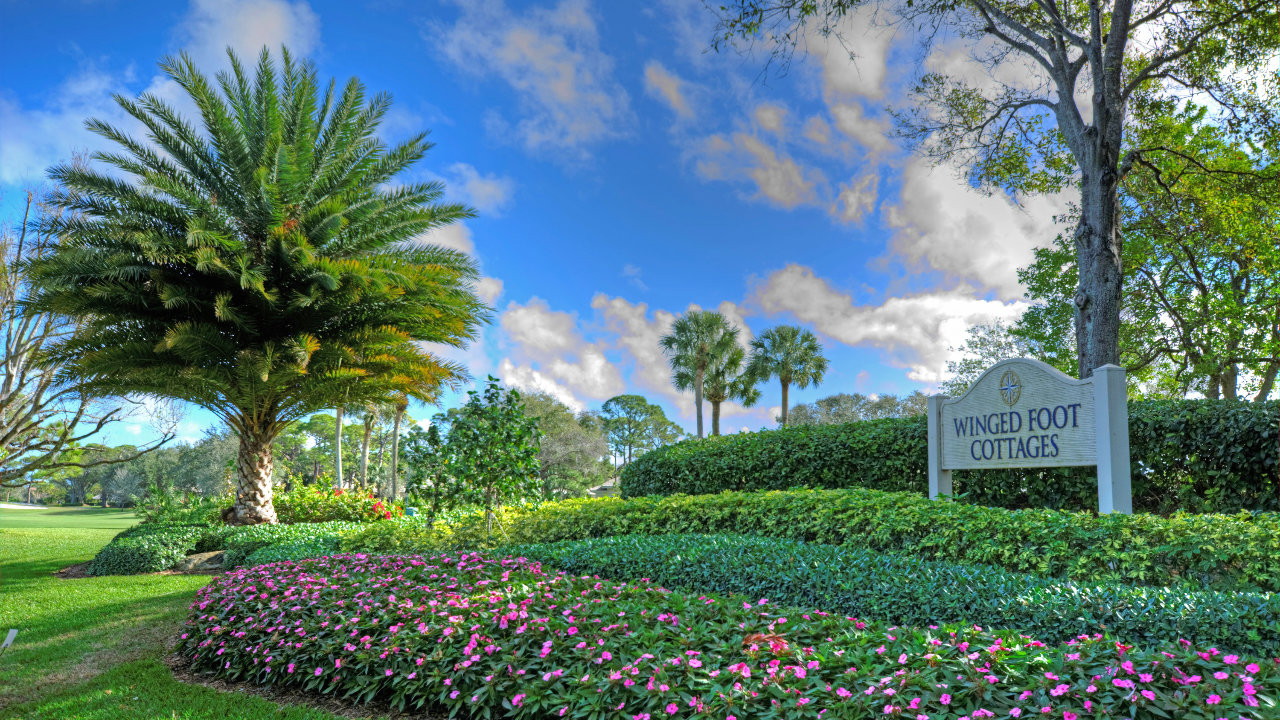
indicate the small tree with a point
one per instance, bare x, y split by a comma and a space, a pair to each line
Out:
486, 452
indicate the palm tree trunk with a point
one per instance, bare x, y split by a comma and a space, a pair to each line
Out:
364, 449
785, 387
337, 446
697, 400
715, 417
253, 481
395, 451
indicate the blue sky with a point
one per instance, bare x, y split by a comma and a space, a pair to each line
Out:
622, 173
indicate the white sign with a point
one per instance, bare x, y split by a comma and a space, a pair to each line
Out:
1024, 413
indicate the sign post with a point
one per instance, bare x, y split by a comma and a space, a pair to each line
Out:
1024, 413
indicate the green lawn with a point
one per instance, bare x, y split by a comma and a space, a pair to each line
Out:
92, 648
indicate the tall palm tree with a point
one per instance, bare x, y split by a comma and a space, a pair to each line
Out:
791, 354
727, 381
401, 403
258, 264
696, 341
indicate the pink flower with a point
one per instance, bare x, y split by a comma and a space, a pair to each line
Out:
318, 671
945, 699
672, 709
1214, 699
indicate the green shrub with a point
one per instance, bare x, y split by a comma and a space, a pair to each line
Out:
321, 503
245, 540
1212, 552
152, 547
314, 547
1194, 455
908, 591
457, 529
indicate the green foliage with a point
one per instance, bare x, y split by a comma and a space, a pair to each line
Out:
483, 453
322, 503
153, 547
246, 540
699, 341
572, 449
311, 547
844, 408
1211, 552
790, 353
1193, 455
909, 591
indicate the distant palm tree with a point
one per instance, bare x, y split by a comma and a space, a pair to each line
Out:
791, 354
727, 381
259, 263
698, 339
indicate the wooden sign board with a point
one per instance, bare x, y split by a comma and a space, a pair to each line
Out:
1024, 413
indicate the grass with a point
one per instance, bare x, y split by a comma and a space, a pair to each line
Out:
92, 648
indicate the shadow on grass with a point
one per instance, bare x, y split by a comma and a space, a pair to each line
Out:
146, 690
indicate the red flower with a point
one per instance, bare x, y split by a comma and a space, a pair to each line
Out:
387, 515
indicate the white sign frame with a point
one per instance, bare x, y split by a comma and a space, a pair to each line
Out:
1098, 406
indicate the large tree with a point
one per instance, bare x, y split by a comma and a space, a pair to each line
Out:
698, 339
1067, 124
261, 263
791, 354
635, 426
572, 449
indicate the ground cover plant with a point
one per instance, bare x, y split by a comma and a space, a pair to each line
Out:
505, 637
1193, 455
91, 649
908, 591
1213, 552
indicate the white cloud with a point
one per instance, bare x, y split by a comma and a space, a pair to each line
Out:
871, 133
525, 377
247, 26
456, 236
539, 330
661, 83
817, 130
489, 194
638, 335
854, 57
489, 289
771, 117
778, 178
856, 198
551, 58
633, 275
915, 332
943, 224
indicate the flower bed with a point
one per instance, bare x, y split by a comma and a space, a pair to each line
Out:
468, 634
907, 590
321, 503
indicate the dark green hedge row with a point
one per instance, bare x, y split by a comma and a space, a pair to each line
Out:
152, 547
901, 590
1194, 455
1212, 552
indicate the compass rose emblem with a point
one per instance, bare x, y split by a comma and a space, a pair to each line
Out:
1010, 388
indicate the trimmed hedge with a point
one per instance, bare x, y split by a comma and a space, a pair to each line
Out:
1194, 455
153, 547
907, 591
246, 540
315, 547
1213, 552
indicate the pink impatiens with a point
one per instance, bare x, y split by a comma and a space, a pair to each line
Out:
465, 631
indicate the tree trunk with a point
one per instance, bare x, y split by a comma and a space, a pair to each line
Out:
1268, 382
715, 417
337, 446
697, 400
1214, 387
364, 450
395, 451
785, 388
1098, 247
253, 482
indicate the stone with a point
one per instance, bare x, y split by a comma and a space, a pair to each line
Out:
200, 562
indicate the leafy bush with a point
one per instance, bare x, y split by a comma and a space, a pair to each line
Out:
321, 503
152, 547
313, 547
1195, 455
1212, 552
908, 591
484, 638
246, 540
